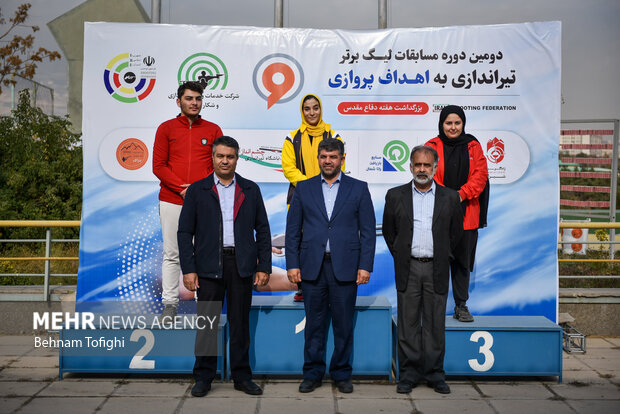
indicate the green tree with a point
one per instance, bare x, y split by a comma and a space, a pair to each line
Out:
41, 174
17, 55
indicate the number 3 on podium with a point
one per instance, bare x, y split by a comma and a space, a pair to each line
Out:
485, 350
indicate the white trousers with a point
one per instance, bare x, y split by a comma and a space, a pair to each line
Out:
170, 269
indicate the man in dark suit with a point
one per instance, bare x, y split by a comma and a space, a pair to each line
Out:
330, 249
221, 256
422, 224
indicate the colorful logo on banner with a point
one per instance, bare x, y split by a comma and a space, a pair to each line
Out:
206, 69
132, 154
263, 155
278, 78
129, 77
495, 150
395, 154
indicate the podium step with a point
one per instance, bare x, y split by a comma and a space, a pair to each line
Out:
142, 349
277, 334
502, 346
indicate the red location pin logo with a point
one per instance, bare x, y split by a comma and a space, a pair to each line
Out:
277, 90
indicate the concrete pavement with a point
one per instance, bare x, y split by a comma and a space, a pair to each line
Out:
29, 384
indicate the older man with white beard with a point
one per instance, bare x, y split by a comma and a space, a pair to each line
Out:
422, 224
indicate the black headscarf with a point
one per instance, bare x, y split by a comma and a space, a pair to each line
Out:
455, 150
456, 160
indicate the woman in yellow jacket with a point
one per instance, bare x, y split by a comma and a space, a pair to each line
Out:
300, 149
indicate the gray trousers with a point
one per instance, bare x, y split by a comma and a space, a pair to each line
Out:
421, 326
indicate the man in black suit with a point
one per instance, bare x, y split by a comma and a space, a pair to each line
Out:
422, 224
220, 255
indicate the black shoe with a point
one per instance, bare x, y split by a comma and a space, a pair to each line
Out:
461, 313
344, 386
249, 387
167, 316
439, 386
201, 388
405, 387
309, 385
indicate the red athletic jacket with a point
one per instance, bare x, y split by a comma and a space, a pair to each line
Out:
476, 180
183, 154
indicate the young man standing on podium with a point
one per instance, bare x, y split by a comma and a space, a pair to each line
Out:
330, 249
182, 154
225, 247
422, 224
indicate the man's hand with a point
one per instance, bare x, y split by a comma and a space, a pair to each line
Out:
294, 275
261, 279
190, 281
363, 276
182, 193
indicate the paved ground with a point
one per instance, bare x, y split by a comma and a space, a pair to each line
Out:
29, 384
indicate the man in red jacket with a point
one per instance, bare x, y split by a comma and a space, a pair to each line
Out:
182, 154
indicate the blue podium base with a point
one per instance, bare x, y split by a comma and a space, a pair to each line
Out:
141, 350
500, 346
277, 334
490, 346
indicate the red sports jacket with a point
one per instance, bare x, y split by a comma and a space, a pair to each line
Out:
476, 180
183, 154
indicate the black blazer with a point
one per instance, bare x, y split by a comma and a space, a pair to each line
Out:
398, 232
200, 230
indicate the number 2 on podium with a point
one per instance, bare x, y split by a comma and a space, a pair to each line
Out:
485, 349
138, 361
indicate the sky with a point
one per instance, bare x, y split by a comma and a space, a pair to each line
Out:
590, 34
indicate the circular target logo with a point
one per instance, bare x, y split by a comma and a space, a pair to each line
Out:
278, 78
495, 150
206, 69
127, 79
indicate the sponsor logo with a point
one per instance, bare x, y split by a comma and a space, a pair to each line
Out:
495, 150
132, 154
395, 154
264, 155
127, 80
149, 61
278, 78
206, 69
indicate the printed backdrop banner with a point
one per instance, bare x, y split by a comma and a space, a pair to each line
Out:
382, 91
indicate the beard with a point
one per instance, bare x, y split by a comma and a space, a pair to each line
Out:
329, 175
422, 178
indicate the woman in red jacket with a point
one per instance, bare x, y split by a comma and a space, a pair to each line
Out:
462, 167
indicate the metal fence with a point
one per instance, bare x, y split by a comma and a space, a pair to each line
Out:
48, 225
612, 173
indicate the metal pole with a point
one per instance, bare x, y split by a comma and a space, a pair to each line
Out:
12, 92
52, 95
155, 11
48, 253
614, 188
279, 13
382, 14
34, 94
